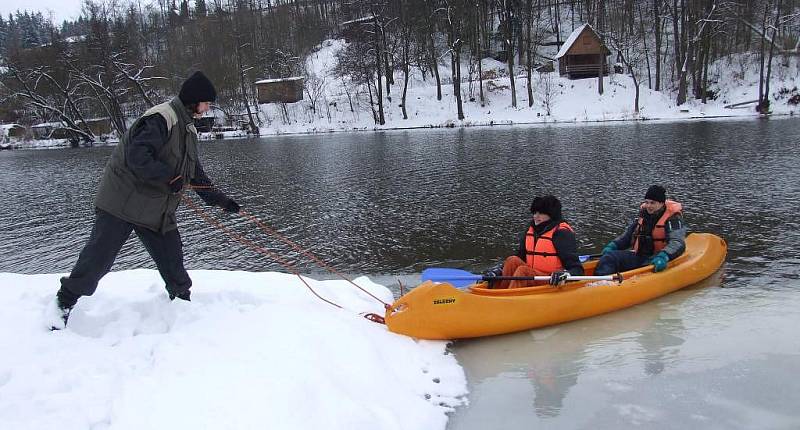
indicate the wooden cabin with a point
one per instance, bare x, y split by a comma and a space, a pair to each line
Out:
49, 130
582, 54
285, 90
354, 29
56, 130
99, 126
11, 132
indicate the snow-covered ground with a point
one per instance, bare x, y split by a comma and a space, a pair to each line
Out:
735, 79
252, 350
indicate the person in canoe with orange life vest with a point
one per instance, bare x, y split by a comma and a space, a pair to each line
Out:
548, 248
656, 236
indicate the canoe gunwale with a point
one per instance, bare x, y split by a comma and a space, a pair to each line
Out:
546, 289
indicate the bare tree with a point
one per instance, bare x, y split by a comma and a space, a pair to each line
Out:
453, 23
134, 75
508, 24
546, 91
629, 47
315, 87
30, 85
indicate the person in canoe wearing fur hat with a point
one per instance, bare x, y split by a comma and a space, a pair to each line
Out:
140, 191
656, 236
547, 248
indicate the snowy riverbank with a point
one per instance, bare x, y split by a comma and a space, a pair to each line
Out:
251, 350
555, 99
333, 104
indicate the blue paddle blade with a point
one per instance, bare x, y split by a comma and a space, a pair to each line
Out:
459, 278
585, 258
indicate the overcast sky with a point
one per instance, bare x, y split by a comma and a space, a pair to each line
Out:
61, 9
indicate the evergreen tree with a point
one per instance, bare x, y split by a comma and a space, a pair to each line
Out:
200, 8
184, 11
3, 33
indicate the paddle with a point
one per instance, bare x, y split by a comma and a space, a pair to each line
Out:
461, 278
585, 258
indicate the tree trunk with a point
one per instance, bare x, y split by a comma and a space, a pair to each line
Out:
379, 90
508, 34
529, 74
681, 50
676, 35
657, 28
435, 67
511, 76
480, 52
600, 74
379, 86
388, 68
760, 108
406, 73
601, 28
771, 51
251, 124
456, 65
644, 42
705, 75
372, 102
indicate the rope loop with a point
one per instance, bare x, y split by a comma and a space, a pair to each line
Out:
285, 264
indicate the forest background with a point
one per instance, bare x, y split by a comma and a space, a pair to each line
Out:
120, 57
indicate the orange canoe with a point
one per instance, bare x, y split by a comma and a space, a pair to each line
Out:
441, 311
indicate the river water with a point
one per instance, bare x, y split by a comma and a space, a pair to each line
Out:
723, 354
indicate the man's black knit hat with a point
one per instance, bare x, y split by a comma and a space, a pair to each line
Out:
197, 89
656, 193
547, 205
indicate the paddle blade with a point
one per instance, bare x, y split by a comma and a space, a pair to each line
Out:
585, 258
459, 278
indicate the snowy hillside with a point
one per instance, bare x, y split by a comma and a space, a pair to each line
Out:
733, 79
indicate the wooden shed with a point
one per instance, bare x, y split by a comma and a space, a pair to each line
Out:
99, 126
56, 130
354, 29
49, 130
285, 90
10, 132
582, 54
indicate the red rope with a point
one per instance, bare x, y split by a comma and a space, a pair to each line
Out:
250, 244
309, 255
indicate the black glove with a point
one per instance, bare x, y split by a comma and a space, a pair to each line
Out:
230, 206
558, 278
496, 270
176, 184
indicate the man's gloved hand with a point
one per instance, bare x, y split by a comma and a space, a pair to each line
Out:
660, 261
176, 184
228, 205
494, 271
558, 278
612, 246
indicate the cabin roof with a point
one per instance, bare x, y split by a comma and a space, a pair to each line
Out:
574, 37
271, 81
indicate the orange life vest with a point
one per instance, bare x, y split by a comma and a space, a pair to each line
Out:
659, 232
540, 252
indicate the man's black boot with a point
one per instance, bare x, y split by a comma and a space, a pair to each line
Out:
58, 311
184, 295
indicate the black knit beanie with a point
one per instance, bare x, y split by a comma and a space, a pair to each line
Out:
197, 89
547, 205
656, 193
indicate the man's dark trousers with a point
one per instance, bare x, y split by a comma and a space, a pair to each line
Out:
620, 261
108, 235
